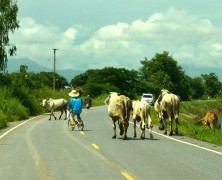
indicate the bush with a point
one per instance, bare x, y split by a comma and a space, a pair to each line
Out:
3, 120
27, 100
14, 110
94, 89
11, 107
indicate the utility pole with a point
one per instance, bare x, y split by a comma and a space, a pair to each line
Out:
54, 70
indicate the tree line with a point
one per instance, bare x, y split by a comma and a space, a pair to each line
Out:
160, 72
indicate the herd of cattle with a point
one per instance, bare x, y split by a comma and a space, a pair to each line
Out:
120, 108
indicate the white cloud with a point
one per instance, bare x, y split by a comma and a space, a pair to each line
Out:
71, 33
217, 48
186, 37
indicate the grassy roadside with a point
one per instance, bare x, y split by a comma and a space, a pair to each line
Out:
190, 113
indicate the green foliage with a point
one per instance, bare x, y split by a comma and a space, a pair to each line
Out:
8, 23
198, 109
197, 88
26, 98
99, 100
96, 89
99, 81
11, 106
82, 79
190, 113
16, 111
3, 120
5, 80
190, 129
162, 72
213, 85
195, 110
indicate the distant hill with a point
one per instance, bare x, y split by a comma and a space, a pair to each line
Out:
14, 66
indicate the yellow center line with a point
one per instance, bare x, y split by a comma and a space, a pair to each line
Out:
95, 146
127, 176
81, 132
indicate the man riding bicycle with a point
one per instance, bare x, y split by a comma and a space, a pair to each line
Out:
75, 107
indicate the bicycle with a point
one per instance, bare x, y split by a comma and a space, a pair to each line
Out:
79, 123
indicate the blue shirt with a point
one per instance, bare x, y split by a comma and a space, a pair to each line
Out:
76, 105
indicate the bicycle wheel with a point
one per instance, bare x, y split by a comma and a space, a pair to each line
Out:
80, 126
71, 127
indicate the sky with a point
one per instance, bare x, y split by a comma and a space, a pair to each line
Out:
93, 34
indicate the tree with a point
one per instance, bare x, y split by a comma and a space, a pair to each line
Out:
99, 81
213, 85
162, 72
23, 69
81, 79
8, 23
115, 79
197, 88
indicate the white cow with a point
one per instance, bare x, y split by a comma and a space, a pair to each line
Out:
55, 104
119, 107
167, 107
141, 113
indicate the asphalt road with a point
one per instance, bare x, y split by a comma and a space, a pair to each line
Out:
40, 149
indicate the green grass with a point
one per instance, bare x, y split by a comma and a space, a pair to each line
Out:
190, 113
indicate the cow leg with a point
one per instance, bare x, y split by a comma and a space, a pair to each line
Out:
171, 127
150, 127
177, 123
52, 114
161, 126
165, 126
134, 126
121, 128
142, 127
61, 114
114, 129
65, 114
125, 127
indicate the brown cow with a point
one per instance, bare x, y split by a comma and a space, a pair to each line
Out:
210, 119
119, 107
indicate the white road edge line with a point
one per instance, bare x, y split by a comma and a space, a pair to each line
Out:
194, 145
217, 152
16, 127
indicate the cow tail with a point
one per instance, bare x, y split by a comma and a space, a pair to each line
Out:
145, 115
127, 104
173, 108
